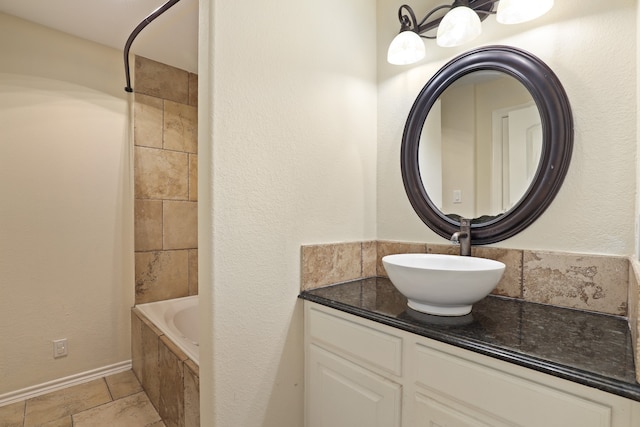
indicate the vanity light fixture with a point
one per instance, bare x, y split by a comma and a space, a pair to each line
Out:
459, 25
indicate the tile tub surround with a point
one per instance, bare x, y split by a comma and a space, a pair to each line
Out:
168, 376
110, 401
589, 348
165, 181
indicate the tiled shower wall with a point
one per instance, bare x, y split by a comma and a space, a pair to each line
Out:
166, 189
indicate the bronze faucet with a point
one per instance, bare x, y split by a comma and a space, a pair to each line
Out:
463, 237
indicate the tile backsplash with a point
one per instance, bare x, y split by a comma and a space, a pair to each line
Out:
585, 282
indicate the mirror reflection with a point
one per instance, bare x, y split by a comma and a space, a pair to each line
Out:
480, 146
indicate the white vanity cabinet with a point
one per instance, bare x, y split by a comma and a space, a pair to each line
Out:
362, 373
353, 376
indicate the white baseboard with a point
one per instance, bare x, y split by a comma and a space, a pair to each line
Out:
59, 384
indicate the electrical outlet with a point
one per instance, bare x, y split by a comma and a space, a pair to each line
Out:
60, 348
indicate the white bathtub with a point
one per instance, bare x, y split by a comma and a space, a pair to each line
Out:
177, 319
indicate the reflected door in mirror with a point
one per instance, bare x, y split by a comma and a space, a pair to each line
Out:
517, 146
480, 145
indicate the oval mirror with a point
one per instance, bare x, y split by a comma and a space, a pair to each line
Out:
488, 138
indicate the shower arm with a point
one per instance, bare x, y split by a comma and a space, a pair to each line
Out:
159, 11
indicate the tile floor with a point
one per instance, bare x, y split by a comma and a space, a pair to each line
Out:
115, 400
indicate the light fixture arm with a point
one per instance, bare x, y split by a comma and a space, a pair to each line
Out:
426, 25
407, 22
483, 8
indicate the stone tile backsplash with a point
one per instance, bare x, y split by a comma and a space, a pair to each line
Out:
510, 284
323, 265
586, 282
165, 181
384, 248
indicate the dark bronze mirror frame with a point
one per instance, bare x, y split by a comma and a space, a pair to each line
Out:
557, 136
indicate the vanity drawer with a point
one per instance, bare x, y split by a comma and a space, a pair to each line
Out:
355, 341
508, 397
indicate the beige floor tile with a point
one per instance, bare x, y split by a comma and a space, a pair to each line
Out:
12, 415
58, 404
132, 411
123, 384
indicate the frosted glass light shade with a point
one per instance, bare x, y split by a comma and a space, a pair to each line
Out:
517, 11
406, 48
460, 25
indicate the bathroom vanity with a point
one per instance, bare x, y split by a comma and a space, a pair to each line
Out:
371, 361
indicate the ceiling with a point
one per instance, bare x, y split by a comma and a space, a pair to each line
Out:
172, 38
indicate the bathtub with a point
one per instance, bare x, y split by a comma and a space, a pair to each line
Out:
178, 320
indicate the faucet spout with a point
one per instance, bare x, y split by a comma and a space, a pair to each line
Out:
463, 237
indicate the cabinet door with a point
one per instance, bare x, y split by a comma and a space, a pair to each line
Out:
432, 411
343, 394
501, 395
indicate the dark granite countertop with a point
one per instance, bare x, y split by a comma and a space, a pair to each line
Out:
584, 347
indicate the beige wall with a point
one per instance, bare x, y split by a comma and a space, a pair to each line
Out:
166, 185
66, 223
581, 41
286, 157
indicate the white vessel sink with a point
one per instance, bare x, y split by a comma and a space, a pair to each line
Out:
444, 285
